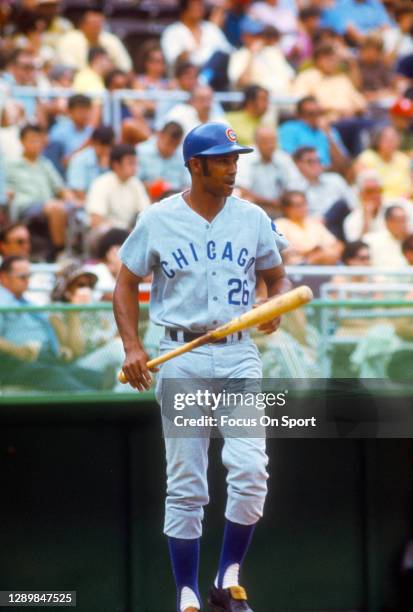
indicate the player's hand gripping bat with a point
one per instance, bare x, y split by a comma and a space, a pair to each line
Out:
263, 313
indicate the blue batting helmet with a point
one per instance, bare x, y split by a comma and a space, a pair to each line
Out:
212, 139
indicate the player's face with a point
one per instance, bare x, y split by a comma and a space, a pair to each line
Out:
219, 178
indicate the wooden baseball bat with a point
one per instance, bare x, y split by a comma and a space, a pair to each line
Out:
263, 313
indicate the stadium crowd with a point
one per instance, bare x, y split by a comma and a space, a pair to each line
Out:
91, 134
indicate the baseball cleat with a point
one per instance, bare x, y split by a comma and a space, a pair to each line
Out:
233, 599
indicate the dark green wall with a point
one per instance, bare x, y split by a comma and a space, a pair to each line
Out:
82, 509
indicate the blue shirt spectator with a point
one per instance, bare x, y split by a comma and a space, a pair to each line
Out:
305, 131
70, 133
160, 158
88, 164
20, 328
21, 72
364, 15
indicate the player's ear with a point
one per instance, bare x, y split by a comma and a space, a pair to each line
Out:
195, 166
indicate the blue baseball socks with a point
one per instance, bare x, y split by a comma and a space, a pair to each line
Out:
237, 539
185, 565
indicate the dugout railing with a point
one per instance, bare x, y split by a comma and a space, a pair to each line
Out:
307, 345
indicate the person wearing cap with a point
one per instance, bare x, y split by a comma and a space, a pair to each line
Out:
401, 115
90, 337
205, 248
260, 61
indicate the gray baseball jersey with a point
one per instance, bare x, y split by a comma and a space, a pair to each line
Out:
203, 272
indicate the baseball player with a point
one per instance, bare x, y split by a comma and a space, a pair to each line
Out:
205, 248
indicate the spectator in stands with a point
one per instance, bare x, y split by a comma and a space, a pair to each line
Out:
397, 39
21, 71
61, 76
89, 163
91, 337
386, 244
31, 355
376, 76
401, 115
110, 263
192, 38
328, 195
389, 162
323, 189
30, 38
255, 111
55, 25
160, 158
356, 18
407, 249
91, 78
14, 240
310, 241
37, 188
228, 16
308, 26
368, 215
186, 79
72, 132
73, 47
270, 13
260, 61
199, 109
311, 129
356, 253
117, 197
334, 91
152, 72
263, 177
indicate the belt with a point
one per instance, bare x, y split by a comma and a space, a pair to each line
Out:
179, 335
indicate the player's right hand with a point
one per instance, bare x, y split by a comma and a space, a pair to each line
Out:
135, 370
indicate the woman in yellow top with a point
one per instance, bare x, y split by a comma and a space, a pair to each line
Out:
392, 165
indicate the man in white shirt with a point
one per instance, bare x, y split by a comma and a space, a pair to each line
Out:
73, 47
322, 189
191, 38
198, 109
264, 174
386, 244
260, 61
117, 197
368, 215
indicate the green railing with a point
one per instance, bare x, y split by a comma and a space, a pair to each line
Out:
349, 338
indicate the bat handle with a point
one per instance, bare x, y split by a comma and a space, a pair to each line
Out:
151, 364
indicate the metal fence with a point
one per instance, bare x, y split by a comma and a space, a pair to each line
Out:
350, 338
112, 101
